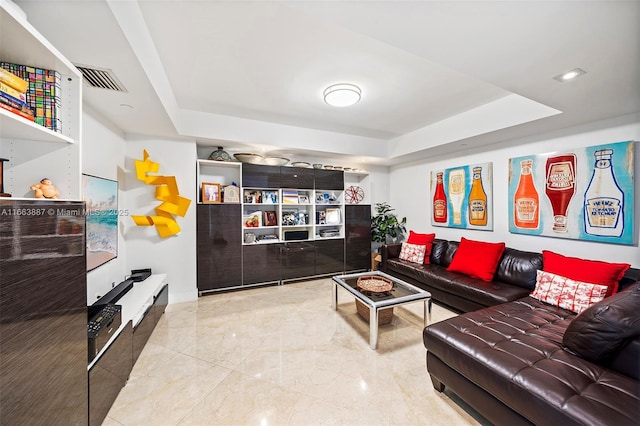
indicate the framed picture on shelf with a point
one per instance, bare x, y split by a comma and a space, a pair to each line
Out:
253, 220
231, 194
252, 196
211, 192
289, 217
270, 197
269, 218
333, 216
303, 199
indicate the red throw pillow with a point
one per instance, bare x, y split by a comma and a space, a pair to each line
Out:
422, 240
589, 271
477, 259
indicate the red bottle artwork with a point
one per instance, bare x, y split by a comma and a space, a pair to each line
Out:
560, 187
439, 201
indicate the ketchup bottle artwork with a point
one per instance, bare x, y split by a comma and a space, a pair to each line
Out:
560, 187
526, 203
439, 201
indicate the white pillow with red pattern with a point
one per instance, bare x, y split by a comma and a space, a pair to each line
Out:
412, 253
566, 293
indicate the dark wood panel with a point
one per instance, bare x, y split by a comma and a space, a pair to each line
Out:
142, 331
219, 246
43, 314
260, 263
258, 176
357, 237
298, 260
297, 178
109, 375
144, 328
161, 302
329, 256
329, 179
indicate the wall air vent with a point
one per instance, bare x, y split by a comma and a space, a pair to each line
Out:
100, 78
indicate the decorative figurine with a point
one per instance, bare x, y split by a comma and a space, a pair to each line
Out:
45, 189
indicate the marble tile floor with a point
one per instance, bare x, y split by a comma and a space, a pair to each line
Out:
280, 355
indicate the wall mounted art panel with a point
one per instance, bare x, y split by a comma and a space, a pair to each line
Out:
583, 193
462, 197
101, 198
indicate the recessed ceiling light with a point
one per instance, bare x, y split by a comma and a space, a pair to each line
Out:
342, 95
570, 75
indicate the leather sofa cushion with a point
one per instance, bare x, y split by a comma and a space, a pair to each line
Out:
514, 352
519, 268
438, 249
599, 332
435, 276
447, 257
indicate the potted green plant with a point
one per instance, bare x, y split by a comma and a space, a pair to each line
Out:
385, 225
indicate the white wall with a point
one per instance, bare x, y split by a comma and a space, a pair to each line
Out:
103, 152
176, 255
410, 193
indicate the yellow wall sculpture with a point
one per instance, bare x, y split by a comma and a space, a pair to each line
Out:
167, 192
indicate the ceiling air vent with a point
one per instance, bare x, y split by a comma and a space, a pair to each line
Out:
100, 78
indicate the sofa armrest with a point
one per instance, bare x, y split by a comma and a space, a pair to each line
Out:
389, 251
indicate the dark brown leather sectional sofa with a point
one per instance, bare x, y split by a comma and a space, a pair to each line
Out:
517, 360
515, 276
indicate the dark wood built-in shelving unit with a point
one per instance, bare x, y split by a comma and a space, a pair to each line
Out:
225, 261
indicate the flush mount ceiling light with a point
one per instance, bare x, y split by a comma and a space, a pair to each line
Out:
342, 95
569, 75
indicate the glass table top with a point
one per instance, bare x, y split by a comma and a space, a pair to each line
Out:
401, 292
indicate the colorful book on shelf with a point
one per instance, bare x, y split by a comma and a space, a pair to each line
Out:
13, 93
17, 111
12, 79
42, 94
14, 103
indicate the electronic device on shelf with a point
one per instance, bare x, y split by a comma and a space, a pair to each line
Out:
296, 235
114, 294
101, 326
138, 275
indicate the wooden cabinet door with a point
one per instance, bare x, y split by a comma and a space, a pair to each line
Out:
298, 260
260, 263
329, 179
258, 176
329, 256
296, 177
219, 246
357, 237
109, 375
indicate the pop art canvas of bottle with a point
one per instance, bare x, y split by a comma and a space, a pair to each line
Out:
462, 197
582, 193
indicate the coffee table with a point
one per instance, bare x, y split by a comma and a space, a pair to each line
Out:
401, 294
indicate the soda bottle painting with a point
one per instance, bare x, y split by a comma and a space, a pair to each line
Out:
603, 199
